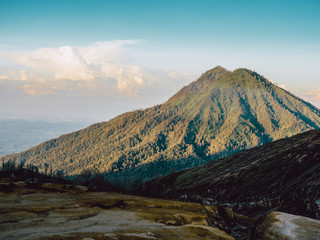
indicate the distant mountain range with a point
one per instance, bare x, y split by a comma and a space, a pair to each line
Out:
219, 114
283, 175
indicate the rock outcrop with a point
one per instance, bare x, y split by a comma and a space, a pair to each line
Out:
284, 226
53, 211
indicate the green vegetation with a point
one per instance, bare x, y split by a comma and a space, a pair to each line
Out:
14, 172
219, 114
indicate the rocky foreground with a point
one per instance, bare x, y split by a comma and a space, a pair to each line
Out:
285, 226
53, 211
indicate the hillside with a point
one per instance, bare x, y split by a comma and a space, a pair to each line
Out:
283, 175
219, 114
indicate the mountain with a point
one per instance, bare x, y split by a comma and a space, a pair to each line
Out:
219, 114
283, 175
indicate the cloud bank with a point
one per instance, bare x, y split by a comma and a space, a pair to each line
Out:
313, 96
101, 66
94, 82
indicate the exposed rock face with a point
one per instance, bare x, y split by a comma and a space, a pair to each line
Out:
278, 226
67, 212
283, 175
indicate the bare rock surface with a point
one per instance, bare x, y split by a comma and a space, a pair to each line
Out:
54, 211
279, 225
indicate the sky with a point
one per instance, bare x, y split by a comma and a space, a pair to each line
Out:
67, 60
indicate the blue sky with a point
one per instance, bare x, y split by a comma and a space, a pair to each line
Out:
39, 23
100, 58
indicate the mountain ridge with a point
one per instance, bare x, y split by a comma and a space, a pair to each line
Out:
282, 175
219, 114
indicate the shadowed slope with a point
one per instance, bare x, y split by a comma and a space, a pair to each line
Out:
282, 175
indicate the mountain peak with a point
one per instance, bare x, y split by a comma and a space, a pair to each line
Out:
248, 72
202, 82
216, 69
243, 69
220, 76
243, 78
212, 74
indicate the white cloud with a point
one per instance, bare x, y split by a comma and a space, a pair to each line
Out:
313, 95
92, 68
128, 77
34, 89
20, 75
26, 75
283, 86
107, 52
45, 86
74, 63
5, 77
62, 63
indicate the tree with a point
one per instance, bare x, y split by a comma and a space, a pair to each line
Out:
60, 174
46, 165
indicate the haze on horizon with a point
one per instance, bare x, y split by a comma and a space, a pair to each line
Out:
92, 60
